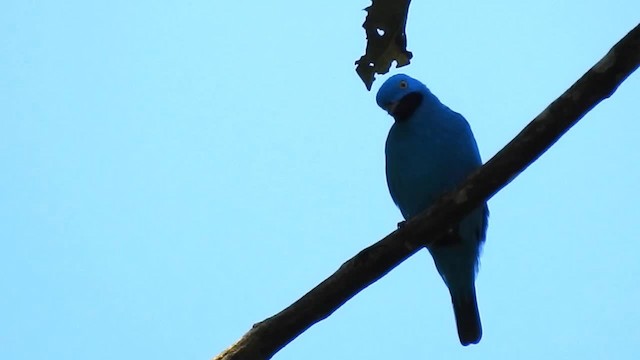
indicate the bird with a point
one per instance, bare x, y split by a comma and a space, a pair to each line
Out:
430, 149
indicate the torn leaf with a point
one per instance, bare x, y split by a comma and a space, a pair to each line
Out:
386, 39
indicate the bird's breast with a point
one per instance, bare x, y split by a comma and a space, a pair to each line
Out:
414, 169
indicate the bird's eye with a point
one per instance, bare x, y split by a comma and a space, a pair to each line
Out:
403, 84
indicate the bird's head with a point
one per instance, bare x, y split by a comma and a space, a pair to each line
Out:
400, 96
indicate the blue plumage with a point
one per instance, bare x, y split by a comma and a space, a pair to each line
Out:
430, 150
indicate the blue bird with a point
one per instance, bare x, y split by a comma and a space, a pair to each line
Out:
430, 150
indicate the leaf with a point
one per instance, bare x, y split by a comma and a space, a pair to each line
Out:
386, 39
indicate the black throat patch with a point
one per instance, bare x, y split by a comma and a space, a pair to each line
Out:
407, 106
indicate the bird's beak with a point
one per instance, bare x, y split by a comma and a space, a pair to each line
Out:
391, 107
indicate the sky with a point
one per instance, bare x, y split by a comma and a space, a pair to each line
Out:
174, 172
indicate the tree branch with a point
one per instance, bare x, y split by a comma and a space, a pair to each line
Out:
600, 82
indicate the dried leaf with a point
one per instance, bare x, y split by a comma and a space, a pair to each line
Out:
386, 39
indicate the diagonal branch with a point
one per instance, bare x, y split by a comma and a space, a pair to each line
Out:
600, 82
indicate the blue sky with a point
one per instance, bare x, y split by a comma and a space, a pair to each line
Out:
174, 172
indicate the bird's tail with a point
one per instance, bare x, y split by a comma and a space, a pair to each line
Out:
465, 308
